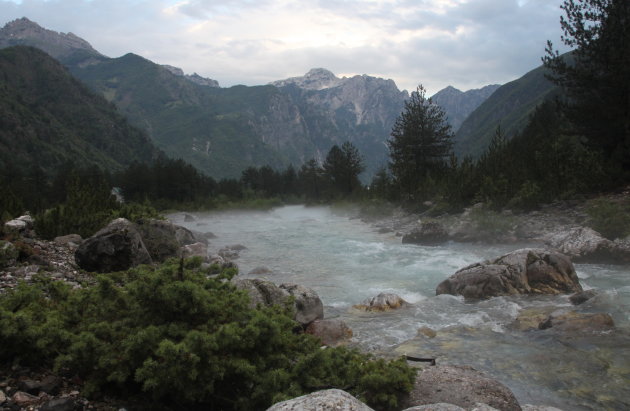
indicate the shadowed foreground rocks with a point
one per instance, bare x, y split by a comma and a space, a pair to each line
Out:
462, 386
525, 271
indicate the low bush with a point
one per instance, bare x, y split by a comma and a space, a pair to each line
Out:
176, 335
610, 219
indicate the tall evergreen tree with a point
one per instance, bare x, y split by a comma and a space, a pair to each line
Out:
343, 166
596, 77
420, 144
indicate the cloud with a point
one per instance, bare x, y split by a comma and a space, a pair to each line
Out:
466, 44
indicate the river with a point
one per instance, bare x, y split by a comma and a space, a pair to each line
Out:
346, 261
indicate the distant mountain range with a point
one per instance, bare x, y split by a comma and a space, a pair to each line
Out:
48, 118
224, 130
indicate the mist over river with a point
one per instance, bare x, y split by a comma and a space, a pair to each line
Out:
346, 261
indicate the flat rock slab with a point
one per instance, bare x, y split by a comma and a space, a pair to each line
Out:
327, 400
462, 386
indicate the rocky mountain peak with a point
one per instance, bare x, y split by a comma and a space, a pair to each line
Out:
315, 79
26, 32
459, 104
195, 78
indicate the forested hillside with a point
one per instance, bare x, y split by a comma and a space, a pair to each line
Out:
48, 118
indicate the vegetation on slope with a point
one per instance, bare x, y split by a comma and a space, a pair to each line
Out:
176, 335
48, 118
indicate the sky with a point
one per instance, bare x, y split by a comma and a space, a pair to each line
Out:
463, 43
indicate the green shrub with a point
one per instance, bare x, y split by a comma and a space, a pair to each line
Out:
182, 338
610, 219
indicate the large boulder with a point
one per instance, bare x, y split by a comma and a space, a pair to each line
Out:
308, 306
159, 237
525, 271
332, 332
459, 385
332, 399
382, 302
116, 247
428, 233
587, 245
195, 250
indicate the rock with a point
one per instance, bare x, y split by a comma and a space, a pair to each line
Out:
308, 305
159, 237
185, 237
116, 247
50, 385
427, 332
530, 407
24, 399
382, 302
14, 226
579, 323
584, 244
442, 406
261, 292
195, 250
327, 400
459, 385
582, 297
530, 318
188, 218
60, 404
3, 397
228, 253
203, 237
260, 271
71, 240
525, 271
28, 220
8, 254
429, 233
331, 332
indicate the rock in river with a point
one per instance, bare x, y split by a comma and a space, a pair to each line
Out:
525, 271
382, 302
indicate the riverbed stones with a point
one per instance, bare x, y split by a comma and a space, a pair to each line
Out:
195, 250
582, 297
459, 385
578, 323
525, 271
159, 238
382, 302
116, 247
428, 233
326, 400
70, 240
308, 306
441, 406
584, 244
331, 332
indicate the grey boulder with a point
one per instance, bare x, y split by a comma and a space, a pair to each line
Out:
459, 385
327, 400
525, 271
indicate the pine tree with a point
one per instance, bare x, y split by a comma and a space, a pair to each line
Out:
420, 145
596, 76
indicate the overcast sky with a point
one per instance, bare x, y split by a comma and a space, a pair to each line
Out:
463, 43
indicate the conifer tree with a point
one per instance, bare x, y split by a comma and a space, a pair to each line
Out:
420, 144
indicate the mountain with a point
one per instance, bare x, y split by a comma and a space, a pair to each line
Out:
510, 107
459, 104
222, 131
48, 118
360, 109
